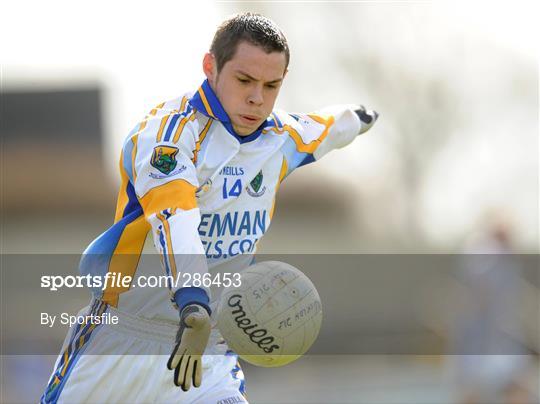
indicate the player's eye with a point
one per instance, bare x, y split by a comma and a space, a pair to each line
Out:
243, 81
271, 86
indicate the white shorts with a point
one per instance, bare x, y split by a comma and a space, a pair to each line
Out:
126, 363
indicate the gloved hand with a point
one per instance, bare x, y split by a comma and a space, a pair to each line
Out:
191, 340
367, 118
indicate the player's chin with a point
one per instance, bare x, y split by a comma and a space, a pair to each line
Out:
244, 129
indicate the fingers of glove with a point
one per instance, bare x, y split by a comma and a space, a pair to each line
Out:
197, 372
180, 370
189, 374
175, 357
182, 377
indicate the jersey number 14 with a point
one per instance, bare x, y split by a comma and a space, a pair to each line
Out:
233, 191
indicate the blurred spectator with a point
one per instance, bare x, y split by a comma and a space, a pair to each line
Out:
491, 359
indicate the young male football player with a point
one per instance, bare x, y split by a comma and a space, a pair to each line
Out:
200, 173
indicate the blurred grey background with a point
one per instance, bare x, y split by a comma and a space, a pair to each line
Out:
451, 166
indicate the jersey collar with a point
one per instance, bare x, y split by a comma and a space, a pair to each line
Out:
206, 102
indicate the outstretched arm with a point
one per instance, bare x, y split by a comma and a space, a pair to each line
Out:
313, 135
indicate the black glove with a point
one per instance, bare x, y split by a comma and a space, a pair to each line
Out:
367, 118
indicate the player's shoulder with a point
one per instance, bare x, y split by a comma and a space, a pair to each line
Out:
282, 119
171, 122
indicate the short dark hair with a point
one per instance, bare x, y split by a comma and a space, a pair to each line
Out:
250, 27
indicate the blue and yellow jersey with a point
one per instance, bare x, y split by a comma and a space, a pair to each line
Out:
204, 193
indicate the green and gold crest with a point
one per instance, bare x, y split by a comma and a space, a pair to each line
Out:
257, 182
255, 185
164, 158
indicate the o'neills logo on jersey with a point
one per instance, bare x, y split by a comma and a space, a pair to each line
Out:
256, 334
255, 186
231, 170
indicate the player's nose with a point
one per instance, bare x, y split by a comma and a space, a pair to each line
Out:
255, 96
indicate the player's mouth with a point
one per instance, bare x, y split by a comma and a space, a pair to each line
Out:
250, 119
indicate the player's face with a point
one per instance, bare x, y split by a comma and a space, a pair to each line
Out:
247, 85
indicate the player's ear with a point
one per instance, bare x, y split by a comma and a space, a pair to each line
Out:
209, 67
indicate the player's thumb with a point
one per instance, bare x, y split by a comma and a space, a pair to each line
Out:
196, 320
